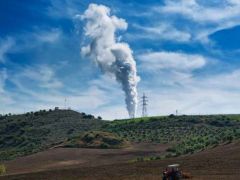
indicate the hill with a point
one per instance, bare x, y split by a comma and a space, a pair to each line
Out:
96, 139
185, 134
33, 132
201, 142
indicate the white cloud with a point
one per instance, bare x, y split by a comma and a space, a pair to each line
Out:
171, 61
43, 75
49, 36
32, 100
112, 112
97, 98
199, 20
194, 10
5, 46
163, 31
193, 101
63, 8
225, 81
214, 94
197, 95
3, 77
37, 39
5, 96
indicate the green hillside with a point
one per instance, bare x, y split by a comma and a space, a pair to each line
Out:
186, 134
32, 132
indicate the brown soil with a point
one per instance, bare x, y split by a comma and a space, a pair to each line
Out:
220, 163
59, 158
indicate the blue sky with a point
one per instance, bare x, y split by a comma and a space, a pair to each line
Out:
187, 54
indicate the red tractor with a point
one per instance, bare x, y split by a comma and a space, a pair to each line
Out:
172, 172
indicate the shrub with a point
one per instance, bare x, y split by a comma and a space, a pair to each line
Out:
112, 141
88, 138
104, 146
2, 169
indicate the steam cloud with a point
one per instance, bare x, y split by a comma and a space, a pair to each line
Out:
112, 56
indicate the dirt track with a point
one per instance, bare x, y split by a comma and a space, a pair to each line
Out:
221, 163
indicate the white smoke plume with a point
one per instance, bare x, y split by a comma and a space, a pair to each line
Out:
112, 56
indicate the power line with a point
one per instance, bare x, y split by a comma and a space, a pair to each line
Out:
144, 101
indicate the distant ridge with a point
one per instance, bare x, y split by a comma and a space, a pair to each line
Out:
32, 132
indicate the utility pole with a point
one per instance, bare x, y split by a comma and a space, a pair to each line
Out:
65, 103
144, 105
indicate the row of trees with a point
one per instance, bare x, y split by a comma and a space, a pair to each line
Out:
187, 133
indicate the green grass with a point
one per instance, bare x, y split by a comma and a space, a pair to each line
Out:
2, 169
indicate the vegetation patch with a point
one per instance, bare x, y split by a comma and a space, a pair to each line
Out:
96, 139
2, 169
37, 131
186, 134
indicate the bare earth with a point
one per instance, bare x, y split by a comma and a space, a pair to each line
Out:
59, 158
220, 163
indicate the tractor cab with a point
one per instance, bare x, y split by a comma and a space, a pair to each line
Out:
172, 172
